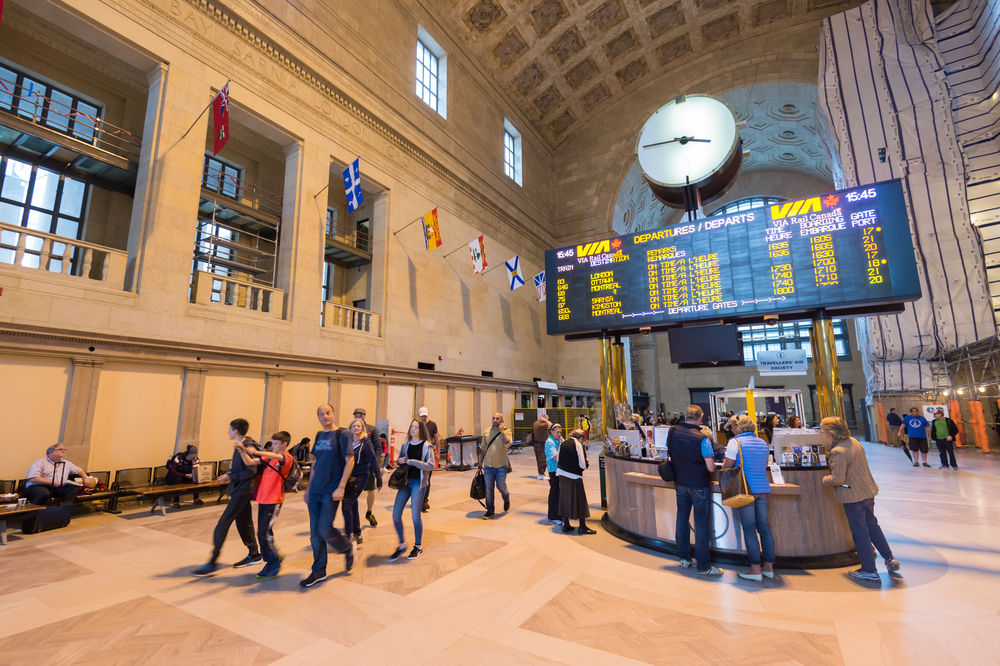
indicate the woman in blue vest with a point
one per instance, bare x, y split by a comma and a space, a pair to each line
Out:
753, 516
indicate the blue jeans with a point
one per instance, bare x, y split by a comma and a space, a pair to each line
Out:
496, 475
410, 492
867, 533
701, 500
322, 533
754, 519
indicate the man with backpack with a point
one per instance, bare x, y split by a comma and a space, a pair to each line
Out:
278, 471
241, 483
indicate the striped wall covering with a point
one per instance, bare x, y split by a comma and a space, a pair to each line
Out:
969, 42
881, 84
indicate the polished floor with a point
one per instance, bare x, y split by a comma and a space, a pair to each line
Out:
117, 590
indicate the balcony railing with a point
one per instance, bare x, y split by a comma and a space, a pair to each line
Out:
349, 235
27, 249
234, 293
337, 316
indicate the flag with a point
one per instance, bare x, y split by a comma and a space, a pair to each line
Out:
220, 116
478, 249
1, 11
514, 272
432, 232
540, 286
352, 185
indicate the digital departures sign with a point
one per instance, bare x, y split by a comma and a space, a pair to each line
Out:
847, 249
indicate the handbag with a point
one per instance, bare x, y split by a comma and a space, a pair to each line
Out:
733, 483
478, 489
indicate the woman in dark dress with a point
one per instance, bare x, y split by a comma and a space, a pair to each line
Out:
572, 495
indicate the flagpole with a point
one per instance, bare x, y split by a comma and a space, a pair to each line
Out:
454, 251
408, 225
204, 110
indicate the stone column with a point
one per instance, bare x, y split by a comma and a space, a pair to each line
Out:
78, 423
157, 78
164, 236
381, 401
378, 294
418, 397
450, 420
300, 247
500, 400
192, 400
272, 405
477, 411
333, 394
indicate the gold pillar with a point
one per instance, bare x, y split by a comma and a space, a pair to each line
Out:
828, 388
607, 385
618, 369
751, 408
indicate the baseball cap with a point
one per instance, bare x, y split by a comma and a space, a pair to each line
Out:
423, 412
360, 410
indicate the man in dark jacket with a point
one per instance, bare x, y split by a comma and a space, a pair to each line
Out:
944, 432
240, 490
692, 457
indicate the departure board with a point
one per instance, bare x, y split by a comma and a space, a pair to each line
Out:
838, 250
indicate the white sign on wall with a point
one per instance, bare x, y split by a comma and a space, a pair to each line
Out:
929, 411
782, 362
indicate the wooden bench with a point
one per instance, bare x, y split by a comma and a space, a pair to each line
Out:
157, 493
14, 512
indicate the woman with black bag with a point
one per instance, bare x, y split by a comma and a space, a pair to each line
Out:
572, 495
418, 457
552, 445
365, 463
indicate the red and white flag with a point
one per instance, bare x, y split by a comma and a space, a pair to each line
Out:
478, 249
220, 116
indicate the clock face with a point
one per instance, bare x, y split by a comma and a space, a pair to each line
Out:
687, 141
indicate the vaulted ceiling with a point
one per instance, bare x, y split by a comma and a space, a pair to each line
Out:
567, 60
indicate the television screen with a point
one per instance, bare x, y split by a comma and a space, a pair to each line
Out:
699, 345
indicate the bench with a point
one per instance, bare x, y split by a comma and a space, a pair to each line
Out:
15, 512
157, 493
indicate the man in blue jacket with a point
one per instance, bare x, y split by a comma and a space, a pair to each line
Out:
693, 460
240, 490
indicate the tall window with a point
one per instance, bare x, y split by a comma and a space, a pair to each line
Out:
746, 203
223, 178
44, 104
427, 76
511, 152
331, 221
328, 286
39, 199
432, 69
793, 335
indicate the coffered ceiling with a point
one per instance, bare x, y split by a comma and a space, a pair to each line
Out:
566, 60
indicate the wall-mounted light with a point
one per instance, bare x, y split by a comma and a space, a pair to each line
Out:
944, 392
982, 389
961, 391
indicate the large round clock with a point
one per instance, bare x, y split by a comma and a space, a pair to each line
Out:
690, 149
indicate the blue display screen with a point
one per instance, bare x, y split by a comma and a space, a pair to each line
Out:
840, 250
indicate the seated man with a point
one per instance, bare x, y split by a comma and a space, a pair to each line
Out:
50, 478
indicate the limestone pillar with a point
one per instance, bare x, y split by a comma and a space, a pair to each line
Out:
192, 400
78, 423
450, 420
333, 394
500, 401
418, 397
477, 411
381, 402
272, 405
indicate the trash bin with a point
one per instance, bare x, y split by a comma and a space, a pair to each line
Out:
462, 452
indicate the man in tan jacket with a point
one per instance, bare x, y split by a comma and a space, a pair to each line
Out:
855, 488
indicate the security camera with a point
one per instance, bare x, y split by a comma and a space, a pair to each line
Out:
771, 320
644, 330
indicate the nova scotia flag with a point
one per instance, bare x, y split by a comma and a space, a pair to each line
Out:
352, 185
514, 272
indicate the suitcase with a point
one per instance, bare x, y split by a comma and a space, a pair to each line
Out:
49, 518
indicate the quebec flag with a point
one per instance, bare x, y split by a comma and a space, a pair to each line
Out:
352, 185
514, 272
540, 286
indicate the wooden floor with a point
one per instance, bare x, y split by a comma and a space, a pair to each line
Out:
118, 590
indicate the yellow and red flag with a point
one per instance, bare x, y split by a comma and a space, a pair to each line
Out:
432, 234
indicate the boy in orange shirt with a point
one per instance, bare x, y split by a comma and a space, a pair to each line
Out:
270, 495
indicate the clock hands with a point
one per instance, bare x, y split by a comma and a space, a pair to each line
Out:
681, 140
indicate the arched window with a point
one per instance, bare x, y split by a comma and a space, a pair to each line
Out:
746, 203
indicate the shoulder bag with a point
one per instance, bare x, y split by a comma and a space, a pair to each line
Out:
733, 482
401, 475
666, 468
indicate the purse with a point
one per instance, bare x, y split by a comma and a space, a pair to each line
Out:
666, 468
478, 489
733, 482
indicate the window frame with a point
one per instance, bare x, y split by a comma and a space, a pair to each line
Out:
746, 203
512, 167
428, 47
14, 107
790, 335
220, 187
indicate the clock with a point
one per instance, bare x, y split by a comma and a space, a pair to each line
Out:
690, 151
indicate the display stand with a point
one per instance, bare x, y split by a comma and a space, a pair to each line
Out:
462, 452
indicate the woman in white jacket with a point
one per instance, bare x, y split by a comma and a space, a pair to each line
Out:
418, 454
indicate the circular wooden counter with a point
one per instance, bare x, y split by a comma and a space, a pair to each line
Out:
809, 526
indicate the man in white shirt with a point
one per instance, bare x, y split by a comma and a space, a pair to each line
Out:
51, 477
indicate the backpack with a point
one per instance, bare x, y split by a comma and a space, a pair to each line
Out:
294, 477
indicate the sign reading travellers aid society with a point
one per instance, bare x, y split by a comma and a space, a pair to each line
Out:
782, 362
